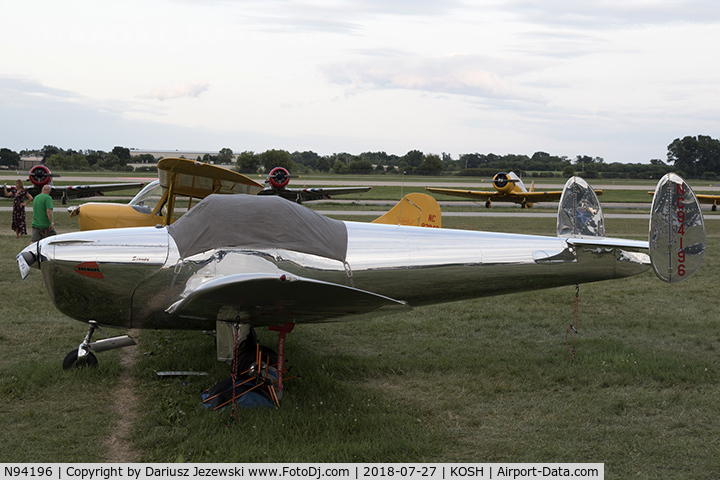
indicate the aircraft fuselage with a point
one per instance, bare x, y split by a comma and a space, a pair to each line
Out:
131, 277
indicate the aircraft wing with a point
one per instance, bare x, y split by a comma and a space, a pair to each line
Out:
266, 299
82, 191
306, 194
474, 194
707, 199
198, 180
551, 196
79, 191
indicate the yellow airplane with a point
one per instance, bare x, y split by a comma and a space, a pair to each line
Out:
705, 199
414, 209
181, 182
508, 188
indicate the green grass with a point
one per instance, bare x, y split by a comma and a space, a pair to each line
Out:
476, 381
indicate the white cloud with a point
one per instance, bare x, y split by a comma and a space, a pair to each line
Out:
471, 75
191, 88
610, 14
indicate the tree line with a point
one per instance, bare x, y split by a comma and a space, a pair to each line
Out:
692, 157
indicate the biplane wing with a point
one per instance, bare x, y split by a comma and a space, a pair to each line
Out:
195, 180
198, 180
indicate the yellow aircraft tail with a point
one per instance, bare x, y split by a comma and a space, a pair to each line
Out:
417, 209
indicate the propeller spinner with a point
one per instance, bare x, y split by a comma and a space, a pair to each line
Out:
40, 175
279, 178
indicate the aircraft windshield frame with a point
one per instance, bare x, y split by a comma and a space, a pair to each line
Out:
152, 193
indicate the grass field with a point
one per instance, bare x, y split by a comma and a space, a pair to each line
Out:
477, 381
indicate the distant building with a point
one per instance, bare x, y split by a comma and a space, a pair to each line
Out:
189, 154
26, 163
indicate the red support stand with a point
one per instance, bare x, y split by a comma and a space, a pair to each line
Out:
282, 331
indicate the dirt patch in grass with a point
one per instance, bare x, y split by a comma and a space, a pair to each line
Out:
118, 446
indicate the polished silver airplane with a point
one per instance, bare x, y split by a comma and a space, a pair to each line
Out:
236, 262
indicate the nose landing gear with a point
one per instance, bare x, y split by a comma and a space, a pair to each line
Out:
83, 356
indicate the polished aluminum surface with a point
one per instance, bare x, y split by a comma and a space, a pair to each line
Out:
93, 275
677, 233
136, 277
579, 211
422, 268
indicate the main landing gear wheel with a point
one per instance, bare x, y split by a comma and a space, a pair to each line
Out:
72, 360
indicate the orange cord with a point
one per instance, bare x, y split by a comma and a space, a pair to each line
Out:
575, 325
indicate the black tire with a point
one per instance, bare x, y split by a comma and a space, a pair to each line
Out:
71, 360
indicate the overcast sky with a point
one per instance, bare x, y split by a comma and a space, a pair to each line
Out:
617, 79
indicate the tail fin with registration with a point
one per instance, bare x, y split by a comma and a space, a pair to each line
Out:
676, 237
677, 230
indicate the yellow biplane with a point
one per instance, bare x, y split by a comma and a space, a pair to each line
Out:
181, 183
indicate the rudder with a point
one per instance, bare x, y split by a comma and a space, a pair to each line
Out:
415, 209
677, 230
579, 211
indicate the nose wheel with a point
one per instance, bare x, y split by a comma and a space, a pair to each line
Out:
73, 361
83, 356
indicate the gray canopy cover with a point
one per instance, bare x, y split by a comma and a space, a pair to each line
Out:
249, 221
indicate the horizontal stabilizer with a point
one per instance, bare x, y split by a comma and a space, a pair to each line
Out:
267, 299
677, 230
609, 242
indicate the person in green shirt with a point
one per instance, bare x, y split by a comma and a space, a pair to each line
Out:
43, 224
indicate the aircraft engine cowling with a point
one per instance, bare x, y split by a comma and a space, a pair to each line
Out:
279, 178
40, 175
503, 183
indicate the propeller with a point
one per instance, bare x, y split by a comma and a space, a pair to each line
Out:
40, 175
501, 180
279, 178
